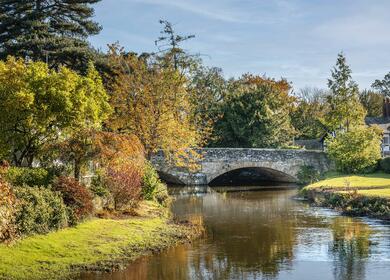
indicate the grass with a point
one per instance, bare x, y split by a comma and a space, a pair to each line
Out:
358, 181
96, 244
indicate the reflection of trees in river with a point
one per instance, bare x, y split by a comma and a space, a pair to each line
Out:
350, 248
267, 245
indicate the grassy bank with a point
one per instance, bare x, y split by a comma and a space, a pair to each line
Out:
98, 244
361, 194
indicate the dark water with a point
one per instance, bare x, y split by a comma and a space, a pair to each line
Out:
267, 235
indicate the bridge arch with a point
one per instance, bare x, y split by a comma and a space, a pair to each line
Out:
170, 178
250, 172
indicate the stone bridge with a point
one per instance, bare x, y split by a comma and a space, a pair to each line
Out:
280, 165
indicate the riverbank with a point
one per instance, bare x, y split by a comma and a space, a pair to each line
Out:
95, 245
361, 194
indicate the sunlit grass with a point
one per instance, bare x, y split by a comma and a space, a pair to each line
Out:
358, 181
53, 255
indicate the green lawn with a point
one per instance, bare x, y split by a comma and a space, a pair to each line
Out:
359, 181
55, 255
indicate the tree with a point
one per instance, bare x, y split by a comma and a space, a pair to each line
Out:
345, 109
48, 30
39, 106
310, 109
372, 102
383, 86
152, 103
169, 44
256, 113
357, 149
208, 89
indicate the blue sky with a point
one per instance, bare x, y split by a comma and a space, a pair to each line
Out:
295, 39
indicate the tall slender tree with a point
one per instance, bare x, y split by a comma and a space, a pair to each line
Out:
54, 31
345, 109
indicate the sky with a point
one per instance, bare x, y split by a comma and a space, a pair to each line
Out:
295, 39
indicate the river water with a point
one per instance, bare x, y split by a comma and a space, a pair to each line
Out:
266, 234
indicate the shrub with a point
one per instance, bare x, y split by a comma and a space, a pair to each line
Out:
124, 184
308, 175
39, 210
385, 164
150, 182
98, 186
7, 212
20, 176
356, 150
76, 197
152, 187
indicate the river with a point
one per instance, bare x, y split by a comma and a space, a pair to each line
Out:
266, 234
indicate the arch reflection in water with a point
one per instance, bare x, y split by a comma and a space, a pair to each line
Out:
266, 235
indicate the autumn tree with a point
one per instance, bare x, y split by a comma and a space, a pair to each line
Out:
48, 30
345, 109
151, 102
256, 113
40, 106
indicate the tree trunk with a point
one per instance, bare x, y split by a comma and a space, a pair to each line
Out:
77, 167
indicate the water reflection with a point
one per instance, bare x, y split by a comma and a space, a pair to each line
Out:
350, 248
266, 235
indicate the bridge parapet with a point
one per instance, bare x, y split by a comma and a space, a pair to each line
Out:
278, 164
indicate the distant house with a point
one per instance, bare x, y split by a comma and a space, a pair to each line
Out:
383, 122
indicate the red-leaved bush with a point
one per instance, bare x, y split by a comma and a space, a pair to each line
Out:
124, 183
76, 197
7, 212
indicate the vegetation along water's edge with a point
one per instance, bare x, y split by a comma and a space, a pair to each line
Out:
358, 194
95, 245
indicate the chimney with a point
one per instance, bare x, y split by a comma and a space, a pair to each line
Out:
386, 107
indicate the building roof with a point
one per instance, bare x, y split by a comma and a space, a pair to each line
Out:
377, 120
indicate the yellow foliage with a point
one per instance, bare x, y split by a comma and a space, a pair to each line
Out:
153, 103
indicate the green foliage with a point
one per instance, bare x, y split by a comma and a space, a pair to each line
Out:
152, 187
98, 187
310, 109
383, 86
208, 89
385, 164
345, 109
7, 212
39, 105
39, 211
19, 176
48, 30
354, 204
255, 113
308, 175
355, 150
372, 102
76, 197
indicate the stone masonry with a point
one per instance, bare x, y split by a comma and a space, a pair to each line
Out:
280, 165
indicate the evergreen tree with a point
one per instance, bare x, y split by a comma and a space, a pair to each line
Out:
383, 86
345, 109
54, 31
255, 114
